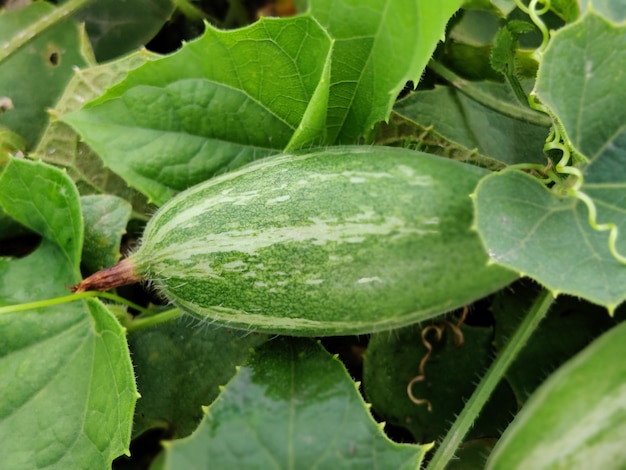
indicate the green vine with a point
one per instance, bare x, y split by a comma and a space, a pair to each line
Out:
535, 15
147, 318
446, 450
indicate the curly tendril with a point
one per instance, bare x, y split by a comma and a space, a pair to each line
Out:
535, 15
558, 141
438, 328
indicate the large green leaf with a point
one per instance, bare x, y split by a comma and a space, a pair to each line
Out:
580, 80
67, 389
540, 233
379, 46
577, 418
34, 76
292, 406
177, 121
529, 229
180, 367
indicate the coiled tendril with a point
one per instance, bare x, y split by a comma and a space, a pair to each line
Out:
558, 141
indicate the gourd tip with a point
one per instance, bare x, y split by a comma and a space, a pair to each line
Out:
121, 274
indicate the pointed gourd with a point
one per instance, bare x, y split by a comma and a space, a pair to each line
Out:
344, 240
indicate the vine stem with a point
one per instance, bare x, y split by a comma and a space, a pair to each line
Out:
475, 93
11, 46
71, 298
152, 320
147, 318
447, 448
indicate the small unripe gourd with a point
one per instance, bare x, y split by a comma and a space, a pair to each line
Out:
344, 240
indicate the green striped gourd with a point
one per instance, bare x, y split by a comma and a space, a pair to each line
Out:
343, 240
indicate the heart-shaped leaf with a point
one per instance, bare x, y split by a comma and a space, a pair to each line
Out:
528, 228
67, 389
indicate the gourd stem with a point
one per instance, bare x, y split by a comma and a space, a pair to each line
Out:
447, 448
486, 99
121, 274
152, 320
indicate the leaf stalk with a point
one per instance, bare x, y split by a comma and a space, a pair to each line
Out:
473, 92
445, 451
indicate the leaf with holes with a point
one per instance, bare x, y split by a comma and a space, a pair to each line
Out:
34, 77
62, 147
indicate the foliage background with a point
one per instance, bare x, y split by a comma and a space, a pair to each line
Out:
111, 130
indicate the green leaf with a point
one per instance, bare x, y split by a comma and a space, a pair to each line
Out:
576, 418
105, 222
499, 140
47, 59
180, 120
292, 406
45, 200
179, 368
379, 46
118, 26
392, 361
615, 10
505, 6
503, 51
62, 147
580, 80
67, 388
537, 233
568, 9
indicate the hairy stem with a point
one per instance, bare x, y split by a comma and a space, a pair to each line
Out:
152, 320
25, 35
485, 388
70, 298
472, 91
